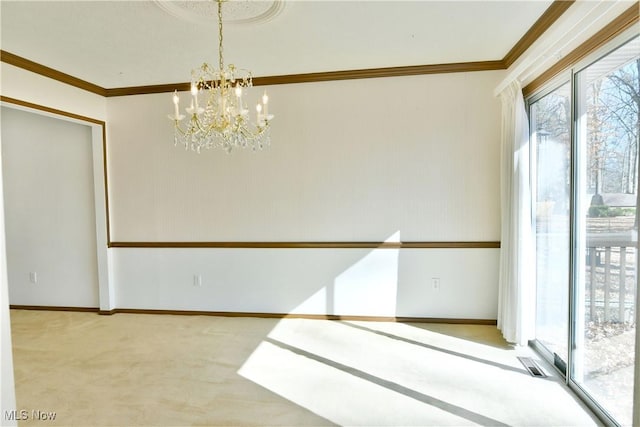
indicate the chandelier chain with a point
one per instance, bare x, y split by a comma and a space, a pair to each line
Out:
220, 36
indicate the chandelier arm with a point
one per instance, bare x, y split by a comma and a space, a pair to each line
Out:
195, 122
179, 130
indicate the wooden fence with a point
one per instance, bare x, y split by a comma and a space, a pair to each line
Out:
611, 273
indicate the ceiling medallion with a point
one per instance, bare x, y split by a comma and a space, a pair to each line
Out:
236, 11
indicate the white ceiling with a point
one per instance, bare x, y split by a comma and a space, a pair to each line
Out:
134, 43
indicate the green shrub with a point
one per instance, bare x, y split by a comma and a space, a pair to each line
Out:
602, 211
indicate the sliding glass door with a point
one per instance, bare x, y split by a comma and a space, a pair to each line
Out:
585, 167
607, 101
551, 142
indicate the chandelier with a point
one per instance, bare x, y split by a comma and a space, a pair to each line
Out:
217, 116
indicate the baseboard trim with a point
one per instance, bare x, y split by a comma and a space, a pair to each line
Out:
54, 308
401, 319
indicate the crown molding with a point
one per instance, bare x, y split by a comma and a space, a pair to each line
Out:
367, 73
543, 23
553, 12
34, 67
146, 90
624, 21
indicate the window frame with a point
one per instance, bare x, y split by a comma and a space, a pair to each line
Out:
550, 87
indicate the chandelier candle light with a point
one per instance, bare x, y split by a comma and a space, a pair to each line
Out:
222, 121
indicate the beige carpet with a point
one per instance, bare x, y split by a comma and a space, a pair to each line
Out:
129, 369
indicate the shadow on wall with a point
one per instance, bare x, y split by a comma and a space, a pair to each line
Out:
433, 283
369, 287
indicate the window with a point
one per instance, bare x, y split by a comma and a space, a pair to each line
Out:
585, 194
607, 112
551, 144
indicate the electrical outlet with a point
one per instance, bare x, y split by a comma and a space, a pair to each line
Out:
197, 280
435, 283
33, 277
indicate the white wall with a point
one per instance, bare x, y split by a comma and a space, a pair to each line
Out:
354, 160
7, 386
50, 214
405, 159
359, 282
